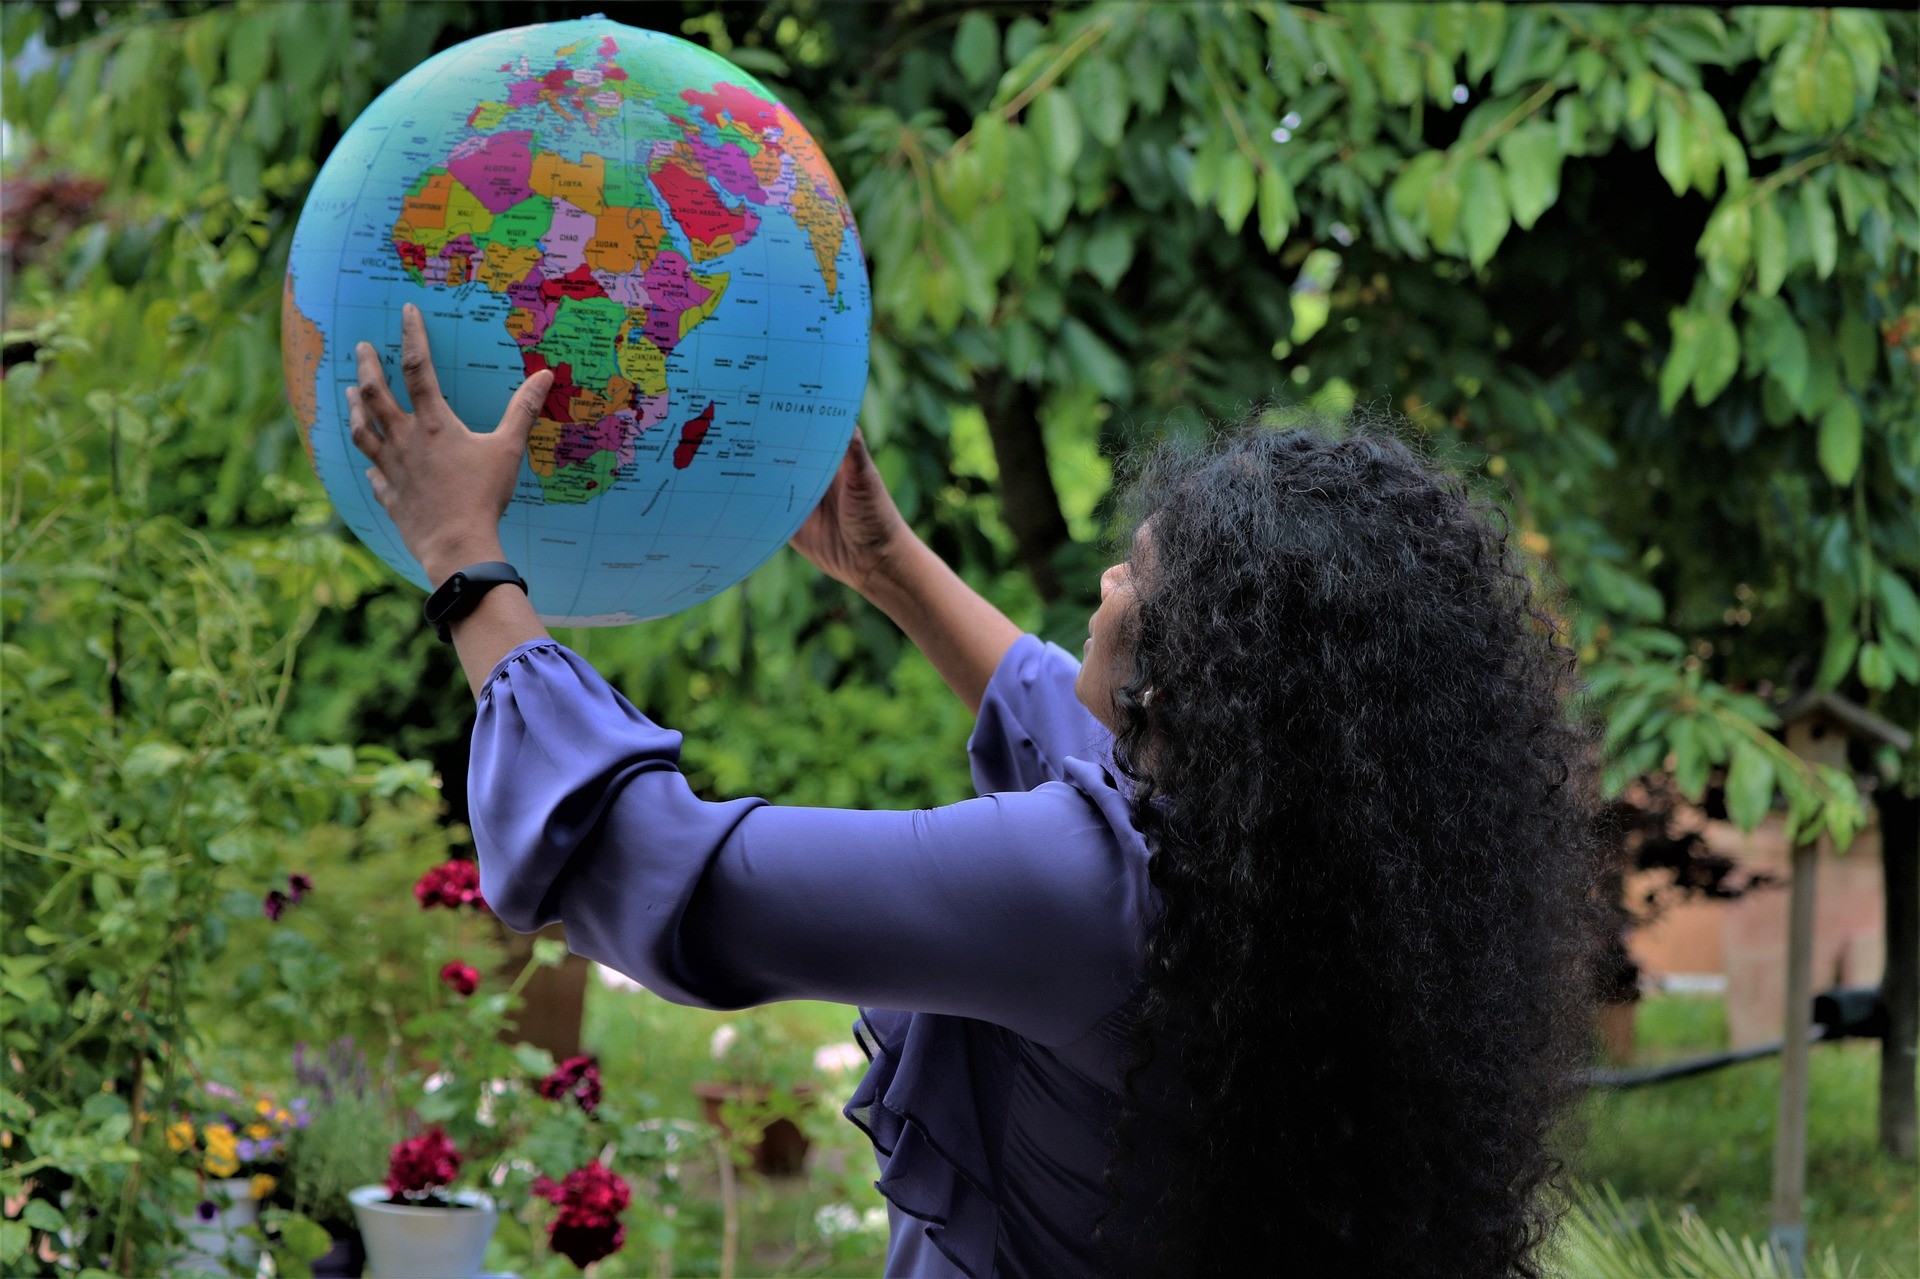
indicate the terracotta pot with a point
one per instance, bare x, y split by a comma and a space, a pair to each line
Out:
1616, 1032
782, 1148
554, 999
408, 1242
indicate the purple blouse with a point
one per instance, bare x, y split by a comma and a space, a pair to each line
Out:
991, 945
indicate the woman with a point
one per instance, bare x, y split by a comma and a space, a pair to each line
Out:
1263, 946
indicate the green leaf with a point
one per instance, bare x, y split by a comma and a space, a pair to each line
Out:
1749, 785
1238, 186
1409, 192
42, 1215
1902, 606
1840, 441
1108, 253
14, 1237
1823, 237
1483, 210
1876, 672
1834, 73
976, 48
1100, 91
1443, 207
1683, 358
1532, 157
1277, 211
1859, 349
1719, 357
1727, 243
1051, 117
1842, 644
1769, 248
1670, 144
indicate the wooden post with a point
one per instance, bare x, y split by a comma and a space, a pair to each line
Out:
1817, 738
1788, 1227
1900, 988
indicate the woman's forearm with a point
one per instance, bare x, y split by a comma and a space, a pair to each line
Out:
962, 634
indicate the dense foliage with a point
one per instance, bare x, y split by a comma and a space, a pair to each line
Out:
1646, 275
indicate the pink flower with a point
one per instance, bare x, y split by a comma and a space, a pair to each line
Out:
421, 1165
576, 1077
451, 884
464, 978
590, 1200
298, 886
275, 904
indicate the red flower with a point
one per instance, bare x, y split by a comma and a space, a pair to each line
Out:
298, 886
464, 978
576, 1077
451, 884
275, 904
587, 1226
421, 1165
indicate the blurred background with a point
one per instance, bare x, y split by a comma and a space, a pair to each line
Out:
1644, 274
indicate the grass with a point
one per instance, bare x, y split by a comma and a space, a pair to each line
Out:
1707, 1142
1704, 1143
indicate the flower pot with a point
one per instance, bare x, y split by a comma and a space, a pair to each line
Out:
782, 1148
213, 1241
346, 1259
408, 1242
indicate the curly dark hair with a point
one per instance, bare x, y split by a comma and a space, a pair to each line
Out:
1351, 737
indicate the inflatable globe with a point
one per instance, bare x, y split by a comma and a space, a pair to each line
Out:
639, 216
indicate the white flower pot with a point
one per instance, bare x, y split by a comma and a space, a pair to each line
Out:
405, 1242
211, 1243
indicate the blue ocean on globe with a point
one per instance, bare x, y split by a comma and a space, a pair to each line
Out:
643, 218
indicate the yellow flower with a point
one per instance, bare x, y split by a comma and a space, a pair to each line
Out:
179, 1136
221, 1165
220, 1138
259, 1132
262, 1185
282, 1118
263, 1106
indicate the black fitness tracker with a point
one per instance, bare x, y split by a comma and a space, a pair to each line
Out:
457, 596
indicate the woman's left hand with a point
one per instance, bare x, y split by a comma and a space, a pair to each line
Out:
445, 487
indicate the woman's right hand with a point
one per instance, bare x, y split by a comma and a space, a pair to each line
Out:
856, 529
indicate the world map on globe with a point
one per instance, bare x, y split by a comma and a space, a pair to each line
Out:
641, 217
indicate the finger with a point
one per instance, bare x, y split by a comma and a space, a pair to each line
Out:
375, 393
380, 486
416, 360
523, 410
364, 437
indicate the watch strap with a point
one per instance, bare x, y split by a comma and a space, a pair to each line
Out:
454, 598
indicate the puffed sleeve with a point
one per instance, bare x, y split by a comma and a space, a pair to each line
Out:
1026, 910
1031, 722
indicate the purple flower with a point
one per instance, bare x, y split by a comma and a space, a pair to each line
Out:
220, 1090
205, 1211
249, 1149
298, 886
275, 905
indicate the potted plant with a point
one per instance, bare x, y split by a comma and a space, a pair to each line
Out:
764, 1077
418, 1222
343, 1144
236, 1144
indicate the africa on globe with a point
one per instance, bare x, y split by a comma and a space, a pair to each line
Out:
646, 220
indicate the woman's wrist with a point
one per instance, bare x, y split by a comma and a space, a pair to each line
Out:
899, 573
444, 561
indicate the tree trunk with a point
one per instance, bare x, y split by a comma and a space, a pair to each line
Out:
1027, 496
1900, 988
